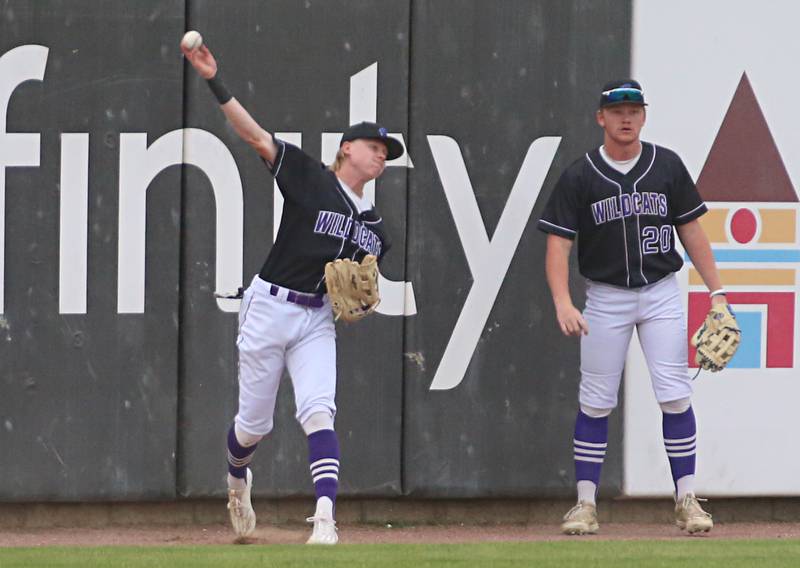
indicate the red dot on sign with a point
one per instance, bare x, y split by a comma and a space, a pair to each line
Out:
743, 226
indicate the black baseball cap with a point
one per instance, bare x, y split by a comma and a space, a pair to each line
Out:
372, 131
622, 91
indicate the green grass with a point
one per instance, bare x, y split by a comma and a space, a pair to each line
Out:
617, 554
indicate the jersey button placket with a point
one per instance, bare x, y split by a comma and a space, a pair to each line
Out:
633, 241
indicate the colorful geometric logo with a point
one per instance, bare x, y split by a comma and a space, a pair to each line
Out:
752, 224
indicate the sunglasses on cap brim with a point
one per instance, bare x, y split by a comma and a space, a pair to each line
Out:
623, 95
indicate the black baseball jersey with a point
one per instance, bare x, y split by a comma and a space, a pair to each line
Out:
319, 223
624, 222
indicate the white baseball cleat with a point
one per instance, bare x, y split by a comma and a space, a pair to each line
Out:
243, 517
324, 526
690, 516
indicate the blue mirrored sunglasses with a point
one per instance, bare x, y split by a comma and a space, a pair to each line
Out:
623, 94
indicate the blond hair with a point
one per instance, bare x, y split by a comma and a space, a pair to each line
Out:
338, 161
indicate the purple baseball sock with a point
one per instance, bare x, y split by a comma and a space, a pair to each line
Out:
238, 456
590, 443
680, 440
323, 459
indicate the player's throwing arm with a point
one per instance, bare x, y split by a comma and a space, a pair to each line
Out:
245, 126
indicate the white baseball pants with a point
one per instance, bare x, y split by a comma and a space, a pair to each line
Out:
275, 334
657, 314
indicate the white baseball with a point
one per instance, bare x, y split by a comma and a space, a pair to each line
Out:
192, 40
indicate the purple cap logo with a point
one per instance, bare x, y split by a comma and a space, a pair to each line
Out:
383, 132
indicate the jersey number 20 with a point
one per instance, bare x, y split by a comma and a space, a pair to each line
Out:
656, 238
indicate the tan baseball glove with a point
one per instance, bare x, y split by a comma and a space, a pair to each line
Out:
717, 339
353, 287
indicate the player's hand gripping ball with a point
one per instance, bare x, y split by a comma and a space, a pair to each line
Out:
717, 339
192, 40
353, 287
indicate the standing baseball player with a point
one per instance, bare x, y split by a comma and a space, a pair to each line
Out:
286, 319
621, 201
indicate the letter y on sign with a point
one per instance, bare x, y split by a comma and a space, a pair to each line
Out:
488, 260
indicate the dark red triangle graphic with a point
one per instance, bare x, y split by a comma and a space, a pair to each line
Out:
744, 163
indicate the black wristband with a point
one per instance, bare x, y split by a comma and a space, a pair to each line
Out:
219, 89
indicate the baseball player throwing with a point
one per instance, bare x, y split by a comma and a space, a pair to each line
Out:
621, 201
286, 320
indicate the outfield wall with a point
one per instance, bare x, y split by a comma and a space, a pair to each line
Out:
128, 201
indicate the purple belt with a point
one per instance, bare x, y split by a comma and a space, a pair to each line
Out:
310, 300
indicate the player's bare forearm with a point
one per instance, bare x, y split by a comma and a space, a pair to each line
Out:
245, 125
570, 319
249, 130
696, 243
557, 269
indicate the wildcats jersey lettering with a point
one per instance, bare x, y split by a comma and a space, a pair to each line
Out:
618, 206
624, 222
339, 225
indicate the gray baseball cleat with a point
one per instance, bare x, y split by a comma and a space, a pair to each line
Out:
581, 519
690, 516
243, 517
